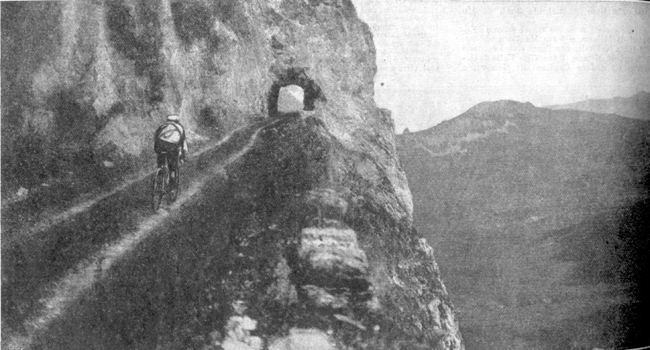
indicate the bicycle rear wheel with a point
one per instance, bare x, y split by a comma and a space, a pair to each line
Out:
158, 189
174, 186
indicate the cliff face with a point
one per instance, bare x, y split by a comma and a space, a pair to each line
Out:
319, 217
83, 82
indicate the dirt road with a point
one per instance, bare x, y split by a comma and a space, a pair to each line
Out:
77, 280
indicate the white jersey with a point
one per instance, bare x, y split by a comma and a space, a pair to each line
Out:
171, 133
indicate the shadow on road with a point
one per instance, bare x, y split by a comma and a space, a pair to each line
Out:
34, 265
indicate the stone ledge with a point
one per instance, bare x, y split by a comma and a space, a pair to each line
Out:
332, 249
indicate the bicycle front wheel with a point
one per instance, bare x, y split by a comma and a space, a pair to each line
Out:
158, 189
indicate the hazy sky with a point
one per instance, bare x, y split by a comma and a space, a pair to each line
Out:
437, 59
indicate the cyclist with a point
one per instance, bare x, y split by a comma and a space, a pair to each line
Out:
170, 143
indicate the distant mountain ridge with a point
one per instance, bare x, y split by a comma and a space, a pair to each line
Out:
523, 206
637, 106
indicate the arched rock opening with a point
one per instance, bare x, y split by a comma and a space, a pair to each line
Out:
298, 77
291, 99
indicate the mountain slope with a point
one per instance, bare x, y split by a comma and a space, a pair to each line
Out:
84, 83
299, 227
637, 106
527, 208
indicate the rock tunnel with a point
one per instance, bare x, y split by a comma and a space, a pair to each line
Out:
299, 78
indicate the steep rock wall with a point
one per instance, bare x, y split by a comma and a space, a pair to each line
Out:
87, 82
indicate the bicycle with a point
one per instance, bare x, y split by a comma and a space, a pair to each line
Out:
163, 185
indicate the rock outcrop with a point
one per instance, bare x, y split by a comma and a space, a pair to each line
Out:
320, 240
322, 248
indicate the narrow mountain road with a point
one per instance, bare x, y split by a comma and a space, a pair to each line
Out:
49, 269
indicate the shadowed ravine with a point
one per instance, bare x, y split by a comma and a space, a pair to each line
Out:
540, 222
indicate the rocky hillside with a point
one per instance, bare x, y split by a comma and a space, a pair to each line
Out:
84, 83
539, 220
318, 242
637, 106
306, 237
